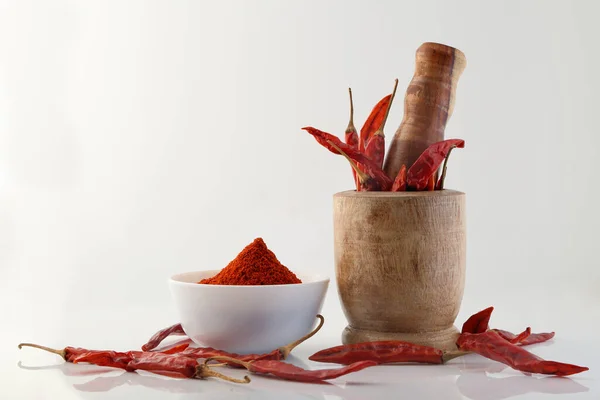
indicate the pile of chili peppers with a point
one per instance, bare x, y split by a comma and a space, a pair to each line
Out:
475, 337
181, 361
366, 154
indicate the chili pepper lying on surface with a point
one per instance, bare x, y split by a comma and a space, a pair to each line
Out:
532, 338
493, 346
420, 173
367, 165
478, 322
385, 352
382, 352
171, 365
520, 337
161, 335
176, 366
68, 353
278, 354
291, 372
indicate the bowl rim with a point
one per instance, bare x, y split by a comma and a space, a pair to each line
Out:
315, 279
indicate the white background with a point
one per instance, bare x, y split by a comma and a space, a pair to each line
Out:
139, 139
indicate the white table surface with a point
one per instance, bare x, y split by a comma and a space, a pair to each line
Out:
31, 374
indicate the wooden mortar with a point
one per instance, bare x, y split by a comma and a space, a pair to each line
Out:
428, 104
400, 265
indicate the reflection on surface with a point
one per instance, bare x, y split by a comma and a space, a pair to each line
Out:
475, 382
472, 378
69, 369
481, 386
106, 383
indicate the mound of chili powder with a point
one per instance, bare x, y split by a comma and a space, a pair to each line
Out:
255, 265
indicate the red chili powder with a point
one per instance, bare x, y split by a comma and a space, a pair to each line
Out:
255, 265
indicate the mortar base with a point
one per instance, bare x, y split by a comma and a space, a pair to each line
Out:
444, 339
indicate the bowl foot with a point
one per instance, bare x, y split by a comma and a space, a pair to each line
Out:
444, 339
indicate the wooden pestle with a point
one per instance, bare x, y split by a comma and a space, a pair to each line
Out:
428, 103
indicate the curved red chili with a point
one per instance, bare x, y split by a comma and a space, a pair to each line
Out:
533, 338
367, 165
400, 181
493, 346
375, 146
478, 322
420, 173
373, 121
291, 372
351, 136
381, 352
161, 335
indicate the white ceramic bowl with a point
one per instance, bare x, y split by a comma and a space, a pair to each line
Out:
246, 319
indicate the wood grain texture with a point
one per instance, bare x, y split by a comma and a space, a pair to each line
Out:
400, 264
428, 103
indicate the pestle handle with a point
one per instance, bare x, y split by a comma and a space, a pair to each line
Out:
428, 104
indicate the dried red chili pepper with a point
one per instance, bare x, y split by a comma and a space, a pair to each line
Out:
368, 166
365, 181
440, 183
172, 365
291, 372
429, 161
351, 136
478, 322
278, 354
175, 366
431, 184
176, 349
373, 121
521, 336
375, 147
161, 335
104, 358
68, 353
382, 352
178, 346
493, 346
533, 338
400, 181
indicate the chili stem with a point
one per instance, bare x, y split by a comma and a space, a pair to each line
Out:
204, 371
363, 177
244, 364
287, 349
351, 122
61, 353
443, 177
387, 111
